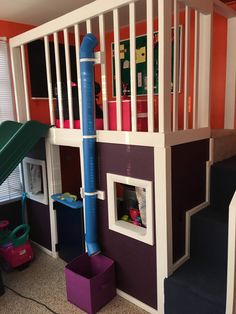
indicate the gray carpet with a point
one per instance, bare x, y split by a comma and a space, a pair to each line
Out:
44, 281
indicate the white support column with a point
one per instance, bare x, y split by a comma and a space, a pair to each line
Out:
17, 73
54, 186
164, 20
204, 78
230, 83
163, 217
102, 37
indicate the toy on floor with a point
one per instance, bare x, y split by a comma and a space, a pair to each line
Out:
15, 248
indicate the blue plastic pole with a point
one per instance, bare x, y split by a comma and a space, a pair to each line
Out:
89, 141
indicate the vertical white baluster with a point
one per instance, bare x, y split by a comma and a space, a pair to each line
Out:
176, 66
150, 83
25, 82
164, 66
58, 75
133, 66
103, 71
186, 70
117, 67
195, 78
77, 51
89, 26
49, 79
68, 77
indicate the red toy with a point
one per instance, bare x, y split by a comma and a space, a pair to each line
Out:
15, 248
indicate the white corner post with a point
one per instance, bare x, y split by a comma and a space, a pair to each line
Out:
204, 71
18, 82
163, 220
164, 24
230, 82
54, 186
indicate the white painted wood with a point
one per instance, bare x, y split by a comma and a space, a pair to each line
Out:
186, 66
195, 75
54, 186
77, 50
204, 77
42, 248
135, 301
164, 20
176, 66
145, 235
68, 77
185, 136
200, 5
66, 137
163, 220
223, 9
117, 68
150, 67
230, 83
58, 75
188, 217
17, 74
133, 91
230, 290
25, 83
49, 80
89, 26
103, 70
70, 19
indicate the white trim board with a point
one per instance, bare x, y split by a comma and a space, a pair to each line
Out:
45, 250
135, 301
73, 137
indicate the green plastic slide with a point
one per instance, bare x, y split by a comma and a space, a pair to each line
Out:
16, 140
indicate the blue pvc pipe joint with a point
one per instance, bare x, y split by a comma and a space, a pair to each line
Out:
89, 142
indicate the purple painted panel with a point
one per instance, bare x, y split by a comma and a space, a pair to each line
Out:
135, 261
39, 221
188, 187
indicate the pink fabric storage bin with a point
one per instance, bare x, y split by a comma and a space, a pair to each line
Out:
142, 124
90, 282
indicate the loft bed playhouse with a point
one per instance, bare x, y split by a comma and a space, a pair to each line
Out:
155, 151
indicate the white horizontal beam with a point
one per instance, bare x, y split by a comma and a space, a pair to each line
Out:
223, 9
77, 16
202, 6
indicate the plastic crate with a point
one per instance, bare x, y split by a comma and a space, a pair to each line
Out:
90, 282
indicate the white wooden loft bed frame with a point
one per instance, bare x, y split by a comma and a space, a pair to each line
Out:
169, 132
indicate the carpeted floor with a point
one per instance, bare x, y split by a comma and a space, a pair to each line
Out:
44, 281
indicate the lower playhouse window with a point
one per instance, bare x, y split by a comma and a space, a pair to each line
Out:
35, 180
130, 210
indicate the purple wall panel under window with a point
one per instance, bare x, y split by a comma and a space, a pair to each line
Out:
135, 261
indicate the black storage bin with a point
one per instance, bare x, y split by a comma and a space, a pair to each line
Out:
70, 231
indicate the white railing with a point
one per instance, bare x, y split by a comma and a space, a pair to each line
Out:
164, 113
231, 268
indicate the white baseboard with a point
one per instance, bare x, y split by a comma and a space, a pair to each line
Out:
47, 251
140, 304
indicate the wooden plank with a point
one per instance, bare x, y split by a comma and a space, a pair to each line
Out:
176, 66
49, 80
195, 76
164, 78
68, 78
25, 82
117, 67
133, 91
103, 70
58, 75
150, 64
186, 67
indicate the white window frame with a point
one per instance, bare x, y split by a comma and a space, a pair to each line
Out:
41, 197
130, 230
